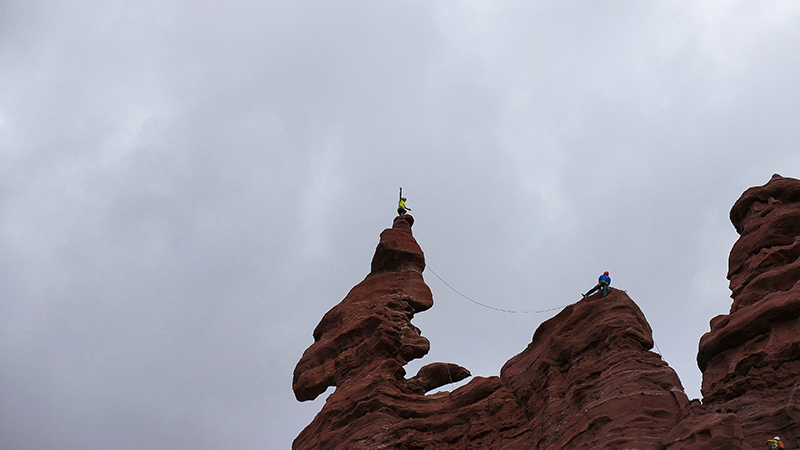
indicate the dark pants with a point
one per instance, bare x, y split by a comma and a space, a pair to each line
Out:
597, 287
401, 211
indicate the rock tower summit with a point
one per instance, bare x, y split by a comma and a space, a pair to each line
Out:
751, 357
588, 378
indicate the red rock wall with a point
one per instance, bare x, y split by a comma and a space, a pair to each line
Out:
751, 357
587, 379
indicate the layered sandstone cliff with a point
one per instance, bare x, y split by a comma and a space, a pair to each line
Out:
751, 357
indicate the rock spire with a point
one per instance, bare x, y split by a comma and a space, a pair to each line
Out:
750, 358
588, 378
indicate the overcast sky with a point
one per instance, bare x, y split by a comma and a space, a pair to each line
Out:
186, 187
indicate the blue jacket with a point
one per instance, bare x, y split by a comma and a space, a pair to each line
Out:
604, 279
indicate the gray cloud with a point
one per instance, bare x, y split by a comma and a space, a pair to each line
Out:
186, 188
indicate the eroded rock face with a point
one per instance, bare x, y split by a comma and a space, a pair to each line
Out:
371, 328
751, 357
361, 346
587, 379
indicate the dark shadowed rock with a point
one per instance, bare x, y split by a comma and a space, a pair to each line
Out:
700, 429
437, 375
751, 357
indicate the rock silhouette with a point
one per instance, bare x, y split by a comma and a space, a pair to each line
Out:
586, 380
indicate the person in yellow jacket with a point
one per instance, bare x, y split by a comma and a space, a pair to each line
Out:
775, 443
401, 205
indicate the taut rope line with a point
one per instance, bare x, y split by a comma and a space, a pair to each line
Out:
427, 266
511, 311
489, 306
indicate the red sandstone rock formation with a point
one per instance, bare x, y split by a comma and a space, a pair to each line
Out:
587, 379
751, 357
361, 346
372, 325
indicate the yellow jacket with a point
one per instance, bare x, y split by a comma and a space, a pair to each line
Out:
773, 443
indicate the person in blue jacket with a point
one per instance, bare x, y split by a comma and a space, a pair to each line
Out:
602, 283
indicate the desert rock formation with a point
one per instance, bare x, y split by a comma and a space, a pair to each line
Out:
587, 379
751, 357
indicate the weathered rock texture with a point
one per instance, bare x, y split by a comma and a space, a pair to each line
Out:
361, 346
751, 357
587, 379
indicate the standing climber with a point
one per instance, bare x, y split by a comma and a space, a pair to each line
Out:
401, 205
775, 443
602, 283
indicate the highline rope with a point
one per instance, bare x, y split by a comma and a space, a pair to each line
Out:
511, 311
485, 305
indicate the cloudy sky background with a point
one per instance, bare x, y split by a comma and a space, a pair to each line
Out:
187, 187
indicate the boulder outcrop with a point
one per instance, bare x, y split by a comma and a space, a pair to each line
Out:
750, 358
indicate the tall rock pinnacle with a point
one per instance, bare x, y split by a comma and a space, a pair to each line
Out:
370, 330
751, 357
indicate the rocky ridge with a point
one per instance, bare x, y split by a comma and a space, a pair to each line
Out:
587, 379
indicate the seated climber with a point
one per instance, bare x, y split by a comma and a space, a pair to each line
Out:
602, 283
775, 443
401, 205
